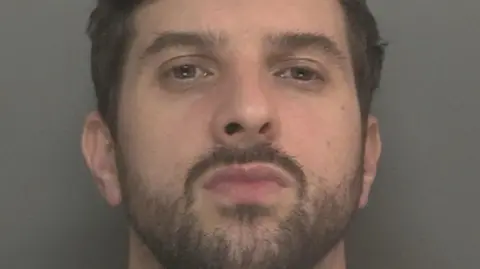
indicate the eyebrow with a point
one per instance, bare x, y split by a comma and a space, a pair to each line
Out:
283, 43
206, 41
289, 42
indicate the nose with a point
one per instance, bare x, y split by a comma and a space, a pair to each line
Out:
245, 115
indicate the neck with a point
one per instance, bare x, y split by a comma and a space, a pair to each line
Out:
140, 256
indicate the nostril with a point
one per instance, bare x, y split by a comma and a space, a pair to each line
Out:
233, 128
264, 129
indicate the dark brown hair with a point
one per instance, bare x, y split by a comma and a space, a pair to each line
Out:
110, 30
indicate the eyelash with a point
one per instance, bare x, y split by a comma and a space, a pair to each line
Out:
316, 75
170, 72
280, 73
200, 72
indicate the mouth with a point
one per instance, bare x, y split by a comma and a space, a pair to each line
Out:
247, 184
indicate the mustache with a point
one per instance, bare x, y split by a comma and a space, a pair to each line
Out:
258, 153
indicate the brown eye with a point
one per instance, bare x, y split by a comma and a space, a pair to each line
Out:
186, 75
186, 71
303, 74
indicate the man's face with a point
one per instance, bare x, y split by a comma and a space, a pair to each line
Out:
239, 133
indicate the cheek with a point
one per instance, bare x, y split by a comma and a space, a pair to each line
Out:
159, 140
325, 138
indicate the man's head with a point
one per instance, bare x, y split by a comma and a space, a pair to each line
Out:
237, 133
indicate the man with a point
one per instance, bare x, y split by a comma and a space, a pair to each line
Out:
237, 134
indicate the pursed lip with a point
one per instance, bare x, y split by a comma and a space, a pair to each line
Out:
248, 173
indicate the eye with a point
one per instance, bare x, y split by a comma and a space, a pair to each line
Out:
300, 73
190, 72
187, 72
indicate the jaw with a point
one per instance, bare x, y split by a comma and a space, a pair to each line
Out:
140, 257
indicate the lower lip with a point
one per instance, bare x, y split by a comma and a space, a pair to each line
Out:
246, 192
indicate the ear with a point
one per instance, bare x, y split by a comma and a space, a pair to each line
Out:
99, 153
373, 148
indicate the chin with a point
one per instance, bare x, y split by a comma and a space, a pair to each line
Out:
258, 238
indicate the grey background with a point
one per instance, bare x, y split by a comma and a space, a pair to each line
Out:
424, 207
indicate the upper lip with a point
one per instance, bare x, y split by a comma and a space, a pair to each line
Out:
249, 172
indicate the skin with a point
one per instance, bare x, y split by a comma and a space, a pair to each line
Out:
165, 123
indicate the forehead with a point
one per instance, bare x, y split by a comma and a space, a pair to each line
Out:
241, 21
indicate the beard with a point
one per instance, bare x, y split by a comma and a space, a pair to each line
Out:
169, 227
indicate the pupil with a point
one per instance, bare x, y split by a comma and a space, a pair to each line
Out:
301, 73
185, 71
